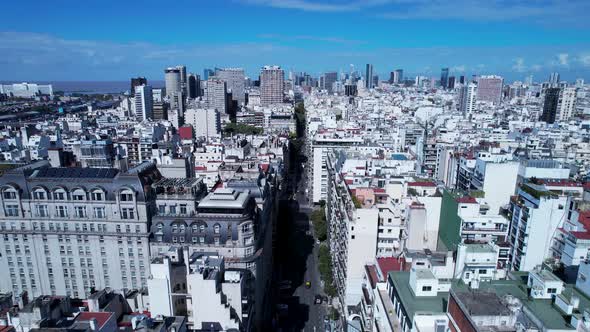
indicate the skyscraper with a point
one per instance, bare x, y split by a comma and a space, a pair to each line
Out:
194, 86
235, 80
451, 84
554, 79
444, 78
143, 103
271, 85
462, 79
550, 105
217, 94
399, 76
207, 73
369, 76
392, 77
489, 88
466, 98
566, 107
329, 79
183, 80
173, 83
136, 81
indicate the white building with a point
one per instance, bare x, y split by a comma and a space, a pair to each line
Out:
26, 90
144, 103
205, 122
566, 106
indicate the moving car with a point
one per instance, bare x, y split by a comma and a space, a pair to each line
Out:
308, 284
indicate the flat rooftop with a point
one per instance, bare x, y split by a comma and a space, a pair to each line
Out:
416, 305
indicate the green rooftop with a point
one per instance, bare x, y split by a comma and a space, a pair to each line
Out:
413, 304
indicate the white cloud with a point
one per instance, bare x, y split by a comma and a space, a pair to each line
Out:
584, 59
459, 69
317, 6
563, 59
519, 65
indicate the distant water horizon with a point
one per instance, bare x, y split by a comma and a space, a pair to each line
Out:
90, 87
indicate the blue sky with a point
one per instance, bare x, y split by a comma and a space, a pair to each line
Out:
114, 40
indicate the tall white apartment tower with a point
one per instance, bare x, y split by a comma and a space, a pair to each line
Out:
235, 80
272, 80
144, 103
566, 105
467, 98
174, 90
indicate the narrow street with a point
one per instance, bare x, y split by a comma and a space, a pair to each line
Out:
298, 261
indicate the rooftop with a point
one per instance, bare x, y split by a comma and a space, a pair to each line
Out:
412, 304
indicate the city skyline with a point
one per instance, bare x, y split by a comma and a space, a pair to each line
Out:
62, 42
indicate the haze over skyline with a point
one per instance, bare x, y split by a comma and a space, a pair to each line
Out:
112, 40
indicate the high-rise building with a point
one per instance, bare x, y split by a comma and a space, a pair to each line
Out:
444, 78
369, 76
566, 106
235, 81
466, 98
462, 79
550, 105
451, 84
70, 230
399, 76
160, 110
271, 85
529, 80
216, 94
136, 81
579, 83
554, 79
143, 103
173, 82
489, 88
183, 80
194, 86
207, 73
329, 79
391, 77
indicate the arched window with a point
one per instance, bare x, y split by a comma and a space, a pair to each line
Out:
174, 228
59, 194
97, 195
216, 228
40, 194
9, 193
79, 195
160, 227
126, 195
194, 227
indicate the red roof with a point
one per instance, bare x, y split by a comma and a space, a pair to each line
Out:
101, 317
390, 264
185, 132
584, 219
200, 168
560, 183
581, 235
348, 181
422, 184
587, 186
467, 200
379, 190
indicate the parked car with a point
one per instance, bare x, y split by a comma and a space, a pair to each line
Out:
317, 299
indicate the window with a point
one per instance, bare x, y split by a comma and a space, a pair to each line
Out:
61, 211
126, 196
183, 209
551, 290
80, 211
59, 195
97, 196
161, 209
42, 211
216, 228
483, 271
127, 213
39, 195
9, 194
426, 288
173, 209
99, 212
11, 210
78, 195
